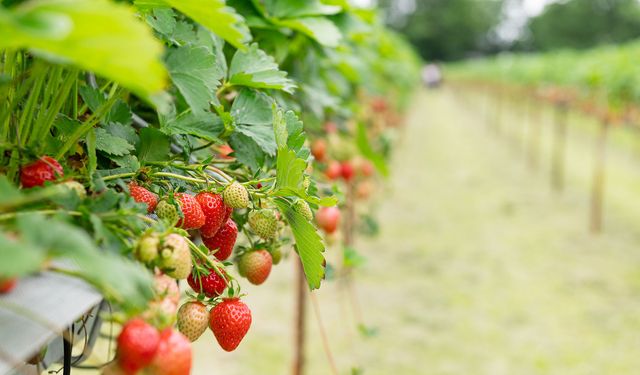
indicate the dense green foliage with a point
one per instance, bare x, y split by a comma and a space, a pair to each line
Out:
152, 92
607, 74
584, 24
447, 29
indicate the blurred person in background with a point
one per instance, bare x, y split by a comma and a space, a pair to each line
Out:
431, 76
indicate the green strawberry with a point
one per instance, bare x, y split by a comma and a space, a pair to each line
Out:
264, 223
306, 182
236, 196
167, 212
147, 249
175, 256
302, 207
276, 255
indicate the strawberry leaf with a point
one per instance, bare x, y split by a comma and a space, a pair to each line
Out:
97, 35
18, 258
253, 114
247, 151
289, 167
196, 75
320, 29
205, 125
309, 245
254, 68
154, 145
296, 8
119, 279
213, 15
368, 152
110, 144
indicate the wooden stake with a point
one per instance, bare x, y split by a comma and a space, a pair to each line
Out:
323, 335
559, 146
498, 114
300, 319
534, 137
597, 187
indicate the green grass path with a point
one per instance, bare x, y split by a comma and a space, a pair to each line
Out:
479, 269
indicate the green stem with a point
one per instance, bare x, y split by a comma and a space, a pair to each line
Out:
180, 177
60, 94
253, 182
225, 86
90, 123
31, 198
117, 176
210, 263
207, 145
31, 106
220, 172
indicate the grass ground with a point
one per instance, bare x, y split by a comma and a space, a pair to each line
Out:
479, 267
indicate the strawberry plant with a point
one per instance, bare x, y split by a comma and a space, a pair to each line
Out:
148, 141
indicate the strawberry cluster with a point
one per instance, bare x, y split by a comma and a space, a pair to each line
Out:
209, 215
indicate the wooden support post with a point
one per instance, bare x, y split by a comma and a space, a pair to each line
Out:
535, 127
487, 109
348, 225
300, 320
349, 228
526, 126
597, 187
498, 112
559, 146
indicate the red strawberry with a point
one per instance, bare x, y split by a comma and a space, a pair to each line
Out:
212, 285
7, 285
227, 213
319, 149
44, 169
173, 356
333, 171
193, 319
346, 170
224, 151
255, 266
379, 104
364, 189
230, 321
222, 243
142, 195
215, 212
193, 217
330, 127
328, 218
137, 345
366, 168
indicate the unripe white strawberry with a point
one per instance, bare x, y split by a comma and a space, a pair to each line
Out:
175, 256
147, 249
193, 320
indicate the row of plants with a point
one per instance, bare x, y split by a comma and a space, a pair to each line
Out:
603, 81
150, 141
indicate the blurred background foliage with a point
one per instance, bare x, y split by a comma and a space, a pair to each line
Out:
446, 30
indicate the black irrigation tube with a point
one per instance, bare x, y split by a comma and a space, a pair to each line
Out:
66, 345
